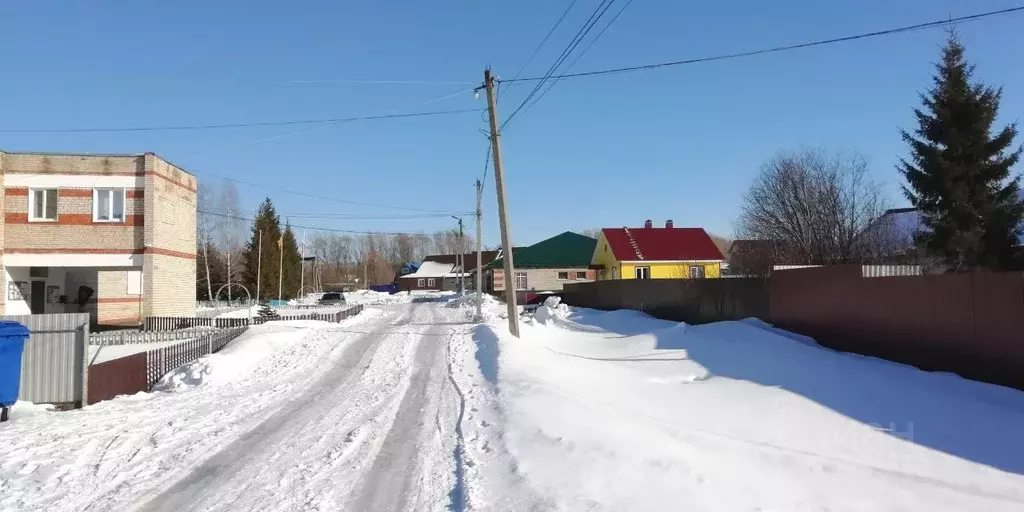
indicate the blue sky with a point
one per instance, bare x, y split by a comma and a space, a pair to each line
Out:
680, 143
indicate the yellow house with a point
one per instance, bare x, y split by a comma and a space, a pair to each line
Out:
656, 253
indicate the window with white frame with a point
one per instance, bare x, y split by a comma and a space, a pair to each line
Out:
563, 276
581, 275
642, 272
696, 271
430, 283
108, 205
521, 283
43, 204
421, 282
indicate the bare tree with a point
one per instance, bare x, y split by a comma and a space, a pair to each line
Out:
591, 232
204, 231
813, 205
230, 230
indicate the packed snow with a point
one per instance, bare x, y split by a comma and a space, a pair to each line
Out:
103, 353
411, 405
617, 411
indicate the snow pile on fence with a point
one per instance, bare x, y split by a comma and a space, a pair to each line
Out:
244, 353
615, 410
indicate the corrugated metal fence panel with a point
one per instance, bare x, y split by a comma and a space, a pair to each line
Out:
53, 364
122, 376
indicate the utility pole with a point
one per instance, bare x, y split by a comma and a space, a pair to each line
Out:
499, 182
460, 258
259, 265
479, 255
302, 266
280, 268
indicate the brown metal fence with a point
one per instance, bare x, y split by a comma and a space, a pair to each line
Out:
693, 301
122, 376
970, 324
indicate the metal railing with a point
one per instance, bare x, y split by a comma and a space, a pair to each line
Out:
171, 323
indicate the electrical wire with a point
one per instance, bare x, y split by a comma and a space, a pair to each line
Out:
543, 41
350, 216
487, 164
324, 198
314, 228
919, 26
576, 40
552, 84
239, 125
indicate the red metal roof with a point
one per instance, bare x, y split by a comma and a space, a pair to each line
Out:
661, 244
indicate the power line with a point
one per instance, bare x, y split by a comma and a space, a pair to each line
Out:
324, 198
314, 228
930, 24
238, 125
576, 40
579, 55
545, 40
487, 164
350, 216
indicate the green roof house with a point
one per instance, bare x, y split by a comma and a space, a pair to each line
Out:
546, 265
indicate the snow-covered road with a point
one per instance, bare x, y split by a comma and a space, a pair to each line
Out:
360, 417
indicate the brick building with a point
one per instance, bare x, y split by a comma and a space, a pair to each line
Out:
122, 226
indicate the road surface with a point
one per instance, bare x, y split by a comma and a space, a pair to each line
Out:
375, 433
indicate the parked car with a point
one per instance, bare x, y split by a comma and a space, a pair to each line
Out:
331, 299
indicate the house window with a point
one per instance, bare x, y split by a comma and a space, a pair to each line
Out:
642, 272
521, 283
44, 204
108, 205
420, 282
563, 276
39, 272
430, 283
696, 271
581, 276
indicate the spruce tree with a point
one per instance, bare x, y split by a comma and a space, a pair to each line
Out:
958, 174
269, 224
292, 264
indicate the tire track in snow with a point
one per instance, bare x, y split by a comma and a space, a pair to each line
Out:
206, 482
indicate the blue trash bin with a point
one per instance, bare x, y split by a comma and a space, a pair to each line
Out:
12, 344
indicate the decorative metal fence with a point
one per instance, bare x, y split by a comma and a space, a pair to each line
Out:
138, 372
170, 323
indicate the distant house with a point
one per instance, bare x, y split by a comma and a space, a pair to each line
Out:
406, 269
429, 276
441, 272
546, 265
656, 253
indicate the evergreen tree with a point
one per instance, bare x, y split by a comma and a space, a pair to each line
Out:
269, 224
292, 264
958, 174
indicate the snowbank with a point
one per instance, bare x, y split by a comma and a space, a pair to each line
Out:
243, 354
374, 298
615, 410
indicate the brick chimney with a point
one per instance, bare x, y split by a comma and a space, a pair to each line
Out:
648, 224
668, 224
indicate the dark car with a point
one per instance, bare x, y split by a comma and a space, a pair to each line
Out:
331, 299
